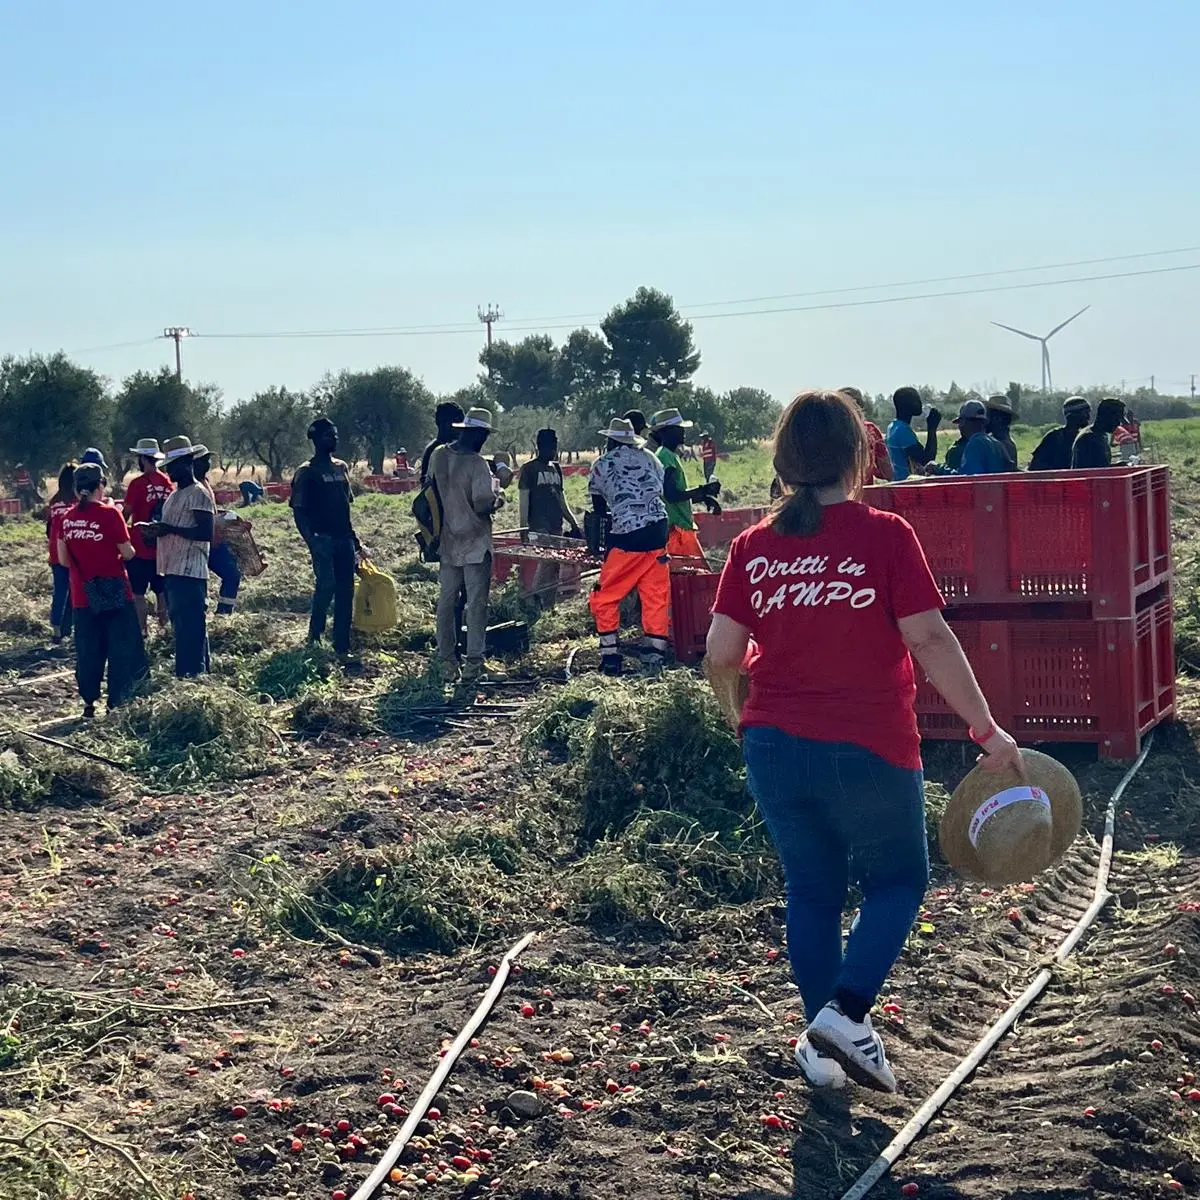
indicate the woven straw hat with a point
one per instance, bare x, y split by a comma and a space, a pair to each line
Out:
1000, 829
731, 688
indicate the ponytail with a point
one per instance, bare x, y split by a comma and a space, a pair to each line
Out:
798, 514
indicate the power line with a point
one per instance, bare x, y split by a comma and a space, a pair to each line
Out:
112, 346
558, 323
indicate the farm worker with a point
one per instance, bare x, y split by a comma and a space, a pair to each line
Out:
321, 499
183, 536
821, 604
669, 430
402, 468
708, 455
1127, 437
501, 468
544, 508
637, 419
26, 492
955, 453
252, 492
908, 456
1092, 449
1000, 416
626, 487
880, 466
446, 416
60, 605
1053, 452
981, 453
221, 559
470, 494
94, 544
144, 499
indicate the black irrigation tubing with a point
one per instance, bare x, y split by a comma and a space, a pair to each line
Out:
900, 1143
69, 747
391, 1155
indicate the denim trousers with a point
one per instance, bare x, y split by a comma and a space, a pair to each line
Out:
839, 814
334, 560
60, 607
113, 640
223, 563
187, 600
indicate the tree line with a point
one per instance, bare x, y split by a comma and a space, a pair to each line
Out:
644, 357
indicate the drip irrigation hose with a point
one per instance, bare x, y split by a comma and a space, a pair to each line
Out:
901, 1142
416, 1115
69, 747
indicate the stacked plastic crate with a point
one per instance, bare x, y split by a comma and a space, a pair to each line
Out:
1059, 589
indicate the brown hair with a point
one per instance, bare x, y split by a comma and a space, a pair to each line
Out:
820, 442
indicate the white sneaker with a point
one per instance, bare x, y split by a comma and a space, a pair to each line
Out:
821, 1072
857, 1047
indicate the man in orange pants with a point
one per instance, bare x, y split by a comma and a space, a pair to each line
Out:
669, 431
626, 487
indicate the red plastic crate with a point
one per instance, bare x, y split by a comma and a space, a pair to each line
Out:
279, 491
1104, 682
719, 529
693, 594
10, 506
1102, 537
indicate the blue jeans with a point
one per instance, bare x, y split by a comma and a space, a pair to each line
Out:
334, 561
223, 563
840, 814
187, 600
60, 607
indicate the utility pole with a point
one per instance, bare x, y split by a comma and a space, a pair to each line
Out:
489, 316
177, 333
1193, 387
1152, 385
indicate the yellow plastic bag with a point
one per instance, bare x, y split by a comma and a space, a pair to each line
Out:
374, 600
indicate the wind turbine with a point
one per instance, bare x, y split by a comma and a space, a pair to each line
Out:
1047, 382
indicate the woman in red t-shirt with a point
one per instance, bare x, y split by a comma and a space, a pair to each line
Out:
94, 544
62, 500
821, 604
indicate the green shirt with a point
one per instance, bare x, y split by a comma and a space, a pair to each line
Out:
679, 512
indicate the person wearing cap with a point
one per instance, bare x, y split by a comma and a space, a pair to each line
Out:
1000, 416
981, 453
321, 499
1127, 437
402, 470
94, 545
222, 561
1093, 449
824, 605
626, 487
1053, 452
182, 535
669, 430
908, 456
470, 494
144, 498
880, 466
61, 502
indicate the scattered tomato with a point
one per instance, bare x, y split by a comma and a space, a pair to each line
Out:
434, 1114
1089, 1111
527, 1010
910, 1189
384, 1100
343, 1126
239, 953
297, 1145
238, 1111
238, 1139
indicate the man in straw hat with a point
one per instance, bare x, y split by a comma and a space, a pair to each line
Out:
470, 493
626, 487
1000, 416
1053, 452
183, 538
144, 498
321, 499
670, 432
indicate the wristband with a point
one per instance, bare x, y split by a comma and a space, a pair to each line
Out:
986, 736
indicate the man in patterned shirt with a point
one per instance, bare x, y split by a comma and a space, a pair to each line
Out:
626, 487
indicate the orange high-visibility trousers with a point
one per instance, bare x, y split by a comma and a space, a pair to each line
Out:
685, 543
623, 571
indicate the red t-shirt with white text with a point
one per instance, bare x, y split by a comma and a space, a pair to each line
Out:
143, 497
827, 659
53, 517
92, 533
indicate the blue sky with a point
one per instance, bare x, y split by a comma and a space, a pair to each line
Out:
256, 166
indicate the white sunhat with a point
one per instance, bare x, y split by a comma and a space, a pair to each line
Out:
476, 418
621, 430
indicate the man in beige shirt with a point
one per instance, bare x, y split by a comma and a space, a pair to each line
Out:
469, 495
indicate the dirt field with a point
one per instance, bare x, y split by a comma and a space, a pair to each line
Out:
226, 969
